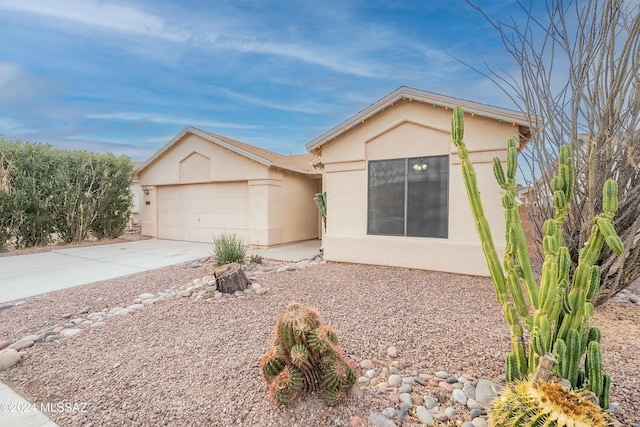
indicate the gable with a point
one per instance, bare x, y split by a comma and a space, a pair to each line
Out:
195, 168
408, 139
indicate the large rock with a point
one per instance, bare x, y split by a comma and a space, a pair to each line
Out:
486, 390
8, 358
22, 343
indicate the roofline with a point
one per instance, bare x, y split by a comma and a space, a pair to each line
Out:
404, 92
209, 137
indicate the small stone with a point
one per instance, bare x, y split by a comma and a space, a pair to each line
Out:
70, 332
255, 286
417, 400
8, 358
445, 386
58, 329
469, 391
77, 320
468, 424
379, 420
4, 344
450, 412
430, 402
239, 293
405, 388
137, 301
394, 380
408, 380
357, 422
424, 415
135, 307
370, 373
404, 408
363, 380
366, 364
262, 291
374, 381
479, 422
394, 370
15, 304
474, 404
51, 338
440, 416
124, 311
185, 294
98, 324
149, 301
67, 315
146, 296
452, 379
486, 390
475, 413
393, 398
389, 412
420, 381
85, 309
96, 314
22, 344
382, 386
460, 397
442, 374
87, 322
406, 398
392, 352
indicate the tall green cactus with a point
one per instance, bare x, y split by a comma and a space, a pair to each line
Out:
305, 356
556, 312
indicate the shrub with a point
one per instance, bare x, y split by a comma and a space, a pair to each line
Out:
228, 248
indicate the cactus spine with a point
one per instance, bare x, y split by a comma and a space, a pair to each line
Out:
556, 312
305, 356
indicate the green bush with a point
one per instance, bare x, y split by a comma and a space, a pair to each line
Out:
228, 248
45, 191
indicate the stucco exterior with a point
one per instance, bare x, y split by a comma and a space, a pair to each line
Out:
268, 197
405, 127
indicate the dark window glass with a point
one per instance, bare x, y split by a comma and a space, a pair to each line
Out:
409, 197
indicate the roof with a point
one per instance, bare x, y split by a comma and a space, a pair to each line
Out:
300, 163
405, 93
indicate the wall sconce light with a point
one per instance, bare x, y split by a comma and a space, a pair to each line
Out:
419, 167
146, 191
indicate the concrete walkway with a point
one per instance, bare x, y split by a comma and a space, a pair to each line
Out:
28, 275
23, 276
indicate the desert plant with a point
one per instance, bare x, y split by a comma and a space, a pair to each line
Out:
321, 204
304, 357
256, 259
559, 308
228, 248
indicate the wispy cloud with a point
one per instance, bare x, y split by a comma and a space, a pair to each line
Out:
155, 118
109, 16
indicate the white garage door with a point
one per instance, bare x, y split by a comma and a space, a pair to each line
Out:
196, 212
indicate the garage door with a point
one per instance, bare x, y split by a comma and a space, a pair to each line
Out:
196, 212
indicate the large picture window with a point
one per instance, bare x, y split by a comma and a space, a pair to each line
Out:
409, 197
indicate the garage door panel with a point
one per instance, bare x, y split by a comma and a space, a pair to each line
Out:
197, 212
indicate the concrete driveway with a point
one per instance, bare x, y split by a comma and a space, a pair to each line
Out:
23, 276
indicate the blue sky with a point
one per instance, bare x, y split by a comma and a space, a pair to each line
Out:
126, 76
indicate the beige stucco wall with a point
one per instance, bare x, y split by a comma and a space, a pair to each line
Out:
280, 202
411, 129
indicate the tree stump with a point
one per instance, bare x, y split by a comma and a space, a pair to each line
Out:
230, 278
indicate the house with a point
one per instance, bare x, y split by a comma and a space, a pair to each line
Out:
201, 184
394, 187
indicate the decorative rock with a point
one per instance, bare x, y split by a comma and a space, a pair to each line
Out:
452, 379
445, 386
67, 315
98, 324
469, 391
96, 314
255, 286
420, 381
389, 412
185, 294
21, 344
404, 408
417, 400
87, 322
474, 404
58, 329
442, 374
137, 301
408, 380
394, 370
149, 301
378, 420
71, 332
370, 373
405, 388
366, 364
383, 386
440, 416
51, 338
357, 422
392, 352
8, 358
475, 413
363, 380
135, 306
486, 390
424, 415
430, 402
460, 397
406, 398
468, 424
374, 381
69, 325
262, 291
124, 311
450, 412
479, 422
4, 344
393, 398
85, 309
394, 380
146, 296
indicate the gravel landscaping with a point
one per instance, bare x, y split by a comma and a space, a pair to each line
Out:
185, 361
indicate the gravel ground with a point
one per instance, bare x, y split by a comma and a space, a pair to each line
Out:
184, 362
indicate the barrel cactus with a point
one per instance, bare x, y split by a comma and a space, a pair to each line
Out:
305, 357
557, 310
